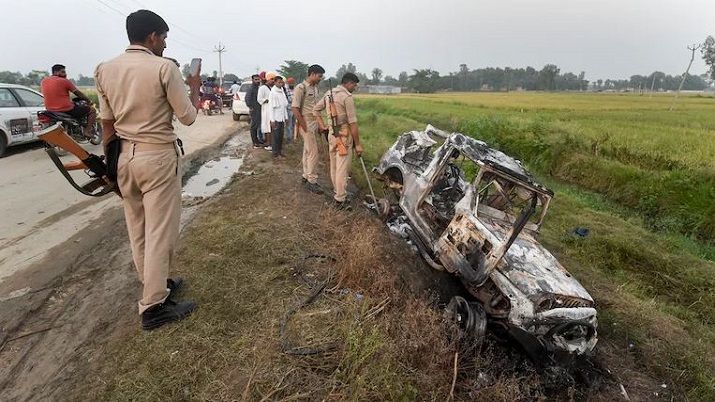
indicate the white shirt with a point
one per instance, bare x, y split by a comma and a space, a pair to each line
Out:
234, 89
264, 93
278, 105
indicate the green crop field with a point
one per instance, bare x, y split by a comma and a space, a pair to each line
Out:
640, 177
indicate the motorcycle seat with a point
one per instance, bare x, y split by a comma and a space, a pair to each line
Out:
57, 116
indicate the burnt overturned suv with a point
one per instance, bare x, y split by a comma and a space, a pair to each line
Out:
475, 212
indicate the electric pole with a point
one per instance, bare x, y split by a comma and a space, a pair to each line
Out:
685, 74
220, 49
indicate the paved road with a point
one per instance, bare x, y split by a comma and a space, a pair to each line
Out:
40, 210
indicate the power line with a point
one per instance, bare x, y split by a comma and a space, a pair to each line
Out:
112, 8
173, 39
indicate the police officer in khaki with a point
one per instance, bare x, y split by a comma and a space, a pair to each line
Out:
305, 95
139, 92
340, 146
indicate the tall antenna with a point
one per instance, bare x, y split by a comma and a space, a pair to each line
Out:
220, 49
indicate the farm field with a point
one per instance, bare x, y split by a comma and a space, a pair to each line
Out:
377, 332
639, 177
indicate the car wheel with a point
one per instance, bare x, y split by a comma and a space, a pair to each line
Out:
3, 144
469, 316
236, 117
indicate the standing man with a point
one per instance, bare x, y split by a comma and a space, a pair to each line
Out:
290, 122
139, 92
264, 93
234, 88
305, 96
278, 107
254, 110
347, 136
56, 89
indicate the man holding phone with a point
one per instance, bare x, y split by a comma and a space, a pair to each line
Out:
139, 92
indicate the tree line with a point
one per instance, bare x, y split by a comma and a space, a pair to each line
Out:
548, 78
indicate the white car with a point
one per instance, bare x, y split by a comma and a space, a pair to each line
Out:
238, 106
18, 115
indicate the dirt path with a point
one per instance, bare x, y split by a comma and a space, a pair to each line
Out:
66, 278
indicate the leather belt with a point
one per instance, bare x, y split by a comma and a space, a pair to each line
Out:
131, 146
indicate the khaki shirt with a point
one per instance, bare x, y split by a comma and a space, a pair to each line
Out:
307, 95
344, 105
140, 92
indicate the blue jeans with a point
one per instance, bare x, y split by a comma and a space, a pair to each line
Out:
290, 126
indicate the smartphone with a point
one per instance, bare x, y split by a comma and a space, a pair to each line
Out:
195, 67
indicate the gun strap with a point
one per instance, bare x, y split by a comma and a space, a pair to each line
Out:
302, 99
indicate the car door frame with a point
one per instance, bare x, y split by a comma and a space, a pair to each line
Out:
34, 127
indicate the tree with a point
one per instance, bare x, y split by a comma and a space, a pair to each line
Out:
376, 76
85, 81
424, 81
390, 80
547, 76
294, 68
230, 77
10, 77
34, 77
708, 53
403, 78
350, 68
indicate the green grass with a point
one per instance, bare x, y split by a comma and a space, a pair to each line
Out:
654, 288
630, 148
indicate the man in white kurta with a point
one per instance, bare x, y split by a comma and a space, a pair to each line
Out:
264, 92
278, 107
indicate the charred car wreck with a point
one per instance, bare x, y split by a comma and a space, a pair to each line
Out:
475, 212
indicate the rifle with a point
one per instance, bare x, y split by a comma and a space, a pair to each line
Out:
95, 166
333, 111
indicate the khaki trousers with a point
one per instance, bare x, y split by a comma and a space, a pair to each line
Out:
310, 151
340, 165
150, 181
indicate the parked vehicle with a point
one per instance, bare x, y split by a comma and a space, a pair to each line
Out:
18, 115
475, 212
238, 106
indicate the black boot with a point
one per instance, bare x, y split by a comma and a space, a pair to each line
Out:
174, 285
166, 312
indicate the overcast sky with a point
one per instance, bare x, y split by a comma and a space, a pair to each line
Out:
604, 38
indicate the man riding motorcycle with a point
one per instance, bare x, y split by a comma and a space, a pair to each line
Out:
209, 93
56, 89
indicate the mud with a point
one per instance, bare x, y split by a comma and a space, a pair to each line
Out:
59, 312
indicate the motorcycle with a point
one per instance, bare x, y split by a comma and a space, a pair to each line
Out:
211, 104
73, 127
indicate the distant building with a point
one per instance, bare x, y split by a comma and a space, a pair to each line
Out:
380, 89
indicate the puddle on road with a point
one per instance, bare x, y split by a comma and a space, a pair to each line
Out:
214, 174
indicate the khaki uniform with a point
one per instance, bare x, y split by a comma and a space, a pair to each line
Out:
304, 98
340, 164
141, 92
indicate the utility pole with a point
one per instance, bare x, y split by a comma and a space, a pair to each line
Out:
685, 74
220, 49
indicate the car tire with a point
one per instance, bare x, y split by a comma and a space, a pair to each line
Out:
3, 143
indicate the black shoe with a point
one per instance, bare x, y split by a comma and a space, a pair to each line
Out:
96, 139
314, 188
164, 313
174, 286
341, 206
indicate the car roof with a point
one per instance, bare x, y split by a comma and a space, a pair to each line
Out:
3, 85
477, 150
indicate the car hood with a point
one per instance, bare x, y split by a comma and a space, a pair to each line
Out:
535, 271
